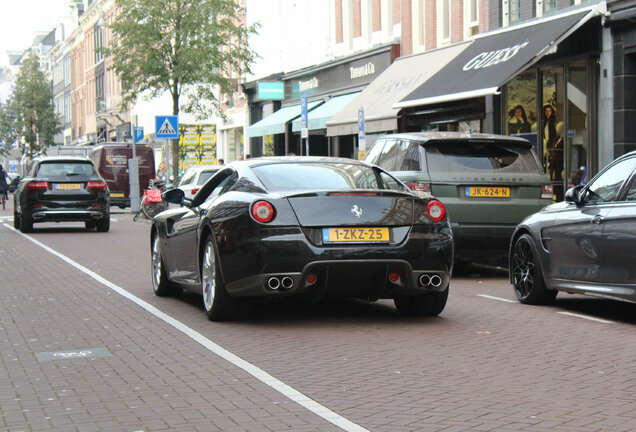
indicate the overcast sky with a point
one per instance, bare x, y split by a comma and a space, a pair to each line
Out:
21, 19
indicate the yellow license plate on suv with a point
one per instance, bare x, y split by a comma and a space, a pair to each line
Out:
67, 186
487, 192
356, 235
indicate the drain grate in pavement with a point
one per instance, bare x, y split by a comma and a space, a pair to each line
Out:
75, 354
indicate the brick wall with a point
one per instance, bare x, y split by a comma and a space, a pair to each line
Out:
377, 15
456, 20
357, 22
406, 17
430, 25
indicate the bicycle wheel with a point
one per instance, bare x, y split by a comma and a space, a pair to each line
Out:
153, 209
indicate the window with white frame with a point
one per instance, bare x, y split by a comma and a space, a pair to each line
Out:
471, 18
512, 10
443, 22
419, 27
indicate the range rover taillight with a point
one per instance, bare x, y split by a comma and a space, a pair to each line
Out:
546, 191
419, 186
37, 186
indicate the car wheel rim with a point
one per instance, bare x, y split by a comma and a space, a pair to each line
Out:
208, 276
523, 268
156, 264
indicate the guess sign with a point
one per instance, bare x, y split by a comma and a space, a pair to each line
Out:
491, 58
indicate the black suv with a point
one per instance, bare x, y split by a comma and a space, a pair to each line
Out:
488, 183
62, 189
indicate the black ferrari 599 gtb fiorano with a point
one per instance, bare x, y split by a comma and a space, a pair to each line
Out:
289, 227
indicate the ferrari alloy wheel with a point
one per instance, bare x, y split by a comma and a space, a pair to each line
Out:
431, 304
160, 283
527, 277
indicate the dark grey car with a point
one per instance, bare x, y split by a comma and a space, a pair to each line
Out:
585, 244
488, 183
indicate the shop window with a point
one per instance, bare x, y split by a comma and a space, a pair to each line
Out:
520, 106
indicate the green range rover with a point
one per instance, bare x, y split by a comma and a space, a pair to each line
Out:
488, 183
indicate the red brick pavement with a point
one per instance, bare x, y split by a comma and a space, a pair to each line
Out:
155, 380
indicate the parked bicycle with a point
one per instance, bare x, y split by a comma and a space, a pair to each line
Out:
151, 202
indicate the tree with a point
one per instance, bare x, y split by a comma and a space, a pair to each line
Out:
31, 108
8, 134
190, 48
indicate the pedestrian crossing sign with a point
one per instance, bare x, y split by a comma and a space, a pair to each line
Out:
166, 127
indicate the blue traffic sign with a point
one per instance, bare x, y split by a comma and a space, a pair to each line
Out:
166, 127
139, 133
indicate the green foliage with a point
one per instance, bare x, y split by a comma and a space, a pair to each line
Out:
8, 133
187, 47
31, 109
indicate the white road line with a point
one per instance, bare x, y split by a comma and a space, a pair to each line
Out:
255, 371
496, 298
587, 317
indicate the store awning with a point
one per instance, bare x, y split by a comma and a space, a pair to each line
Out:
397, 81
494, 58
275, 123
324, 112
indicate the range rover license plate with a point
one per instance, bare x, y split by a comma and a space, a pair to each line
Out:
487, 192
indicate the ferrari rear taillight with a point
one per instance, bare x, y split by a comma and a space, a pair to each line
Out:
98, 185
37, 186
262, 211
546, 191
419, 186
436, 210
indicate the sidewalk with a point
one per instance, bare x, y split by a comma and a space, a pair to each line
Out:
77, 356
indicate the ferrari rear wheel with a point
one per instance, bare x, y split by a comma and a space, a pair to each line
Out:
431, 304
218, 305
160, 282
527, 276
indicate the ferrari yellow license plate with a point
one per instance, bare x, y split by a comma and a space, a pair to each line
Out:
487, 192
116, 194
67, 186
356, 235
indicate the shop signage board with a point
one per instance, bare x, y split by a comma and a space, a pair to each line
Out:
271, 90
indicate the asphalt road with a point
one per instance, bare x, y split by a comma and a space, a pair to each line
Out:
486, 363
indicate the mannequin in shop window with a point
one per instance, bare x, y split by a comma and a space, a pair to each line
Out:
553, 142
518, 121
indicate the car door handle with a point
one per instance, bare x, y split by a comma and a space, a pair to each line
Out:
597, 219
